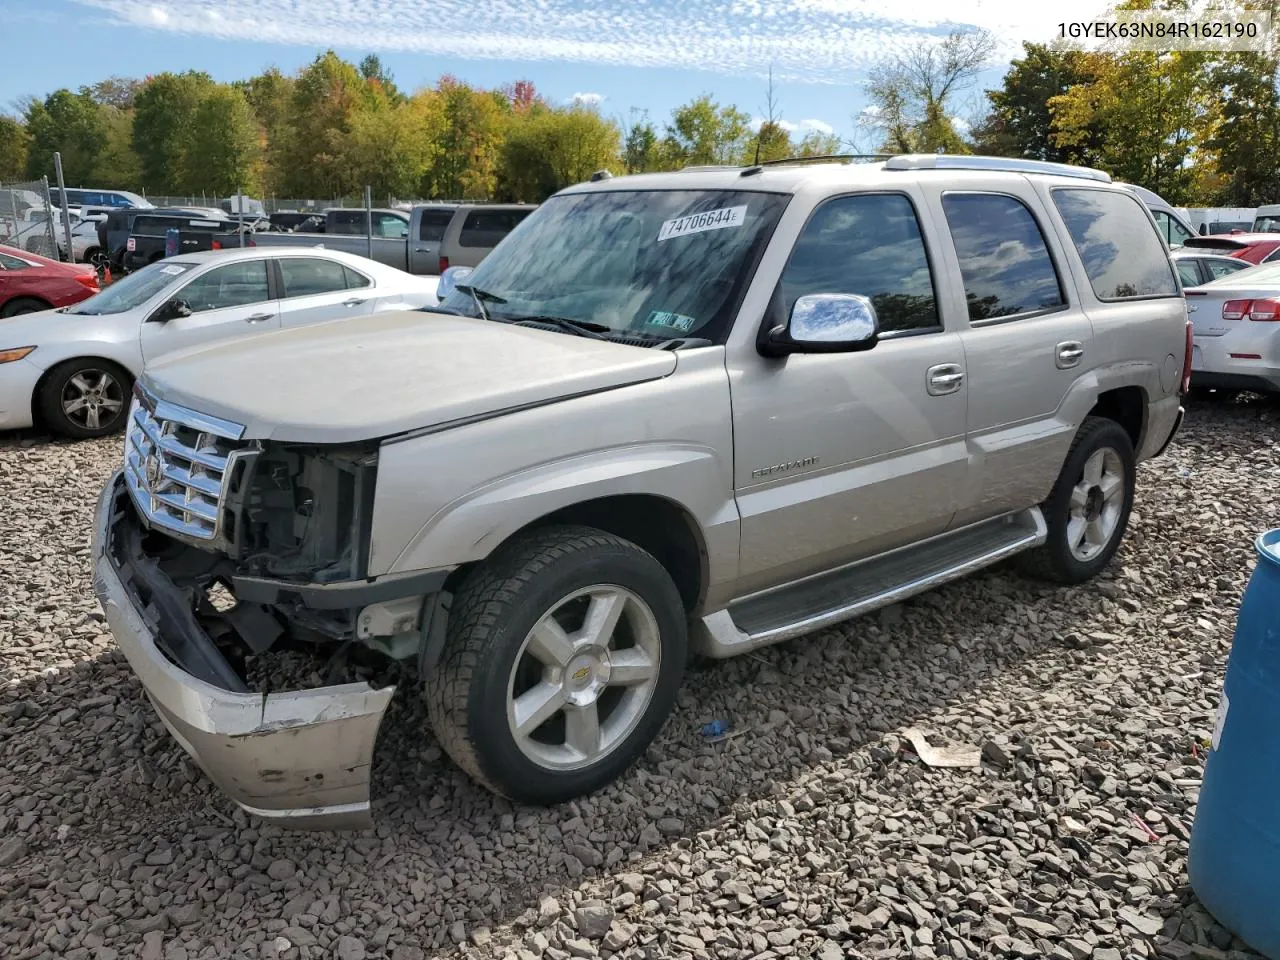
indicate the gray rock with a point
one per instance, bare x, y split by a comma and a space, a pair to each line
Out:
281, 869
348, 948
593, 918
12, 849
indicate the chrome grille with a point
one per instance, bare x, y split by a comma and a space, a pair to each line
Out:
177, 463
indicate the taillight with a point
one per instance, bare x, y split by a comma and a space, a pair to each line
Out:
444, 264
215, 245
1186, 361
89, 280
1265, 310
1235, 309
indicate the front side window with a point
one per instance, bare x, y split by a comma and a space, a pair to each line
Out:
1004, 259
870, 245
657, 264
308, 276
388, 225
1122, 257
230, 285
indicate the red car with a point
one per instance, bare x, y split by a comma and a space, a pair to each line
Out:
30, 282
1250, 247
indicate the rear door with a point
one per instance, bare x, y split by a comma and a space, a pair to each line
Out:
1026, 340
315, 289
229, 300
424, 246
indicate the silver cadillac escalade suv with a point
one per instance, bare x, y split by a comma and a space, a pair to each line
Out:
701, 412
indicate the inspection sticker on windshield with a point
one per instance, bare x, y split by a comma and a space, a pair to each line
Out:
675, 321
701, 222
171, 270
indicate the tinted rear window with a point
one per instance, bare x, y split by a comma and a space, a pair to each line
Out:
487, 228
1122, 255
433, 225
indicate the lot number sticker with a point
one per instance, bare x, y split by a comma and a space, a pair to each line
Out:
720, 219
665, 318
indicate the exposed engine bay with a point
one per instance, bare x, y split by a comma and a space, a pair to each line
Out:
293, 532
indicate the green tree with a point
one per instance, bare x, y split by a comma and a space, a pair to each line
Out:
270, 94
117, 165
13, 148
317, 159
641, 150
69, 123
770, 142
470, 137
1019, 123
116, 92
911, 96
379, 79
163, 122
1242, 130
1138, 118
816, 143
552, 149
393, 144
703, 132
223, 151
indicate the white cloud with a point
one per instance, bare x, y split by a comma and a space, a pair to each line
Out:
961, 126
823, 41
587, 99
803, 127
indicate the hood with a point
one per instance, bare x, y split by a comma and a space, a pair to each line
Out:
361, 379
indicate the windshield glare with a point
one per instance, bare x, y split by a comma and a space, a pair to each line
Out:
660, 264
133, 290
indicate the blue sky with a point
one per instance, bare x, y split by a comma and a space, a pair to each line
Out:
647, 54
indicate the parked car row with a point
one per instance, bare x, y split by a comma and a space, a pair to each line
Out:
72, 369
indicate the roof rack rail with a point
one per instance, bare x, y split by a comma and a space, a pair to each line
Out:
825, 158
933, 161
702, 167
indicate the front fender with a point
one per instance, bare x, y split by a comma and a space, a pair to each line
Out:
453, 496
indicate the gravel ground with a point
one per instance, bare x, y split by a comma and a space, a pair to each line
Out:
814, 831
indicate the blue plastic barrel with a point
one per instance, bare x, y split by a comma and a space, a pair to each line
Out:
1234, 860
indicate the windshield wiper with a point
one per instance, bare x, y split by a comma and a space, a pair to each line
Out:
583, 328
479, 297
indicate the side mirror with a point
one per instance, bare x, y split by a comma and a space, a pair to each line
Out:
171, 310
450, 279
826, 323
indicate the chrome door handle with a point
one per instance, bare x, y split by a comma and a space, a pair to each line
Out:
353, 302
421, 250
258, 318
945, 378
1068, 354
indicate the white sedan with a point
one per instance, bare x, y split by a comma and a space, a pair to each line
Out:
1236, 329
71, 369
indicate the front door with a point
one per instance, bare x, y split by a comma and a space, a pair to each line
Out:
841, 456
229, 300
314, 289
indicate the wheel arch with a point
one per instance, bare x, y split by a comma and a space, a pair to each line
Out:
1126, 406
658, 525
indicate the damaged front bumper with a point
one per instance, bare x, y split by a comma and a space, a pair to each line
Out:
302, 759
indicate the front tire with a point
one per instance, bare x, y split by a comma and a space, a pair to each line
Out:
1088, 509
21, 305
563, 657
86, 398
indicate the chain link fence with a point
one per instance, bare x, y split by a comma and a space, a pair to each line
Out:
29, 220
270, 205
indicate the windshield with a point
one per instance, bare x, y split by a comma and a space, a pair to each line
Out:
658, 265
1267, 224
133, 290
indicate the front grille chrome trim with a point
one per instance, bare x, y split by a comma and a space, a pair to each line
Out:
177, 465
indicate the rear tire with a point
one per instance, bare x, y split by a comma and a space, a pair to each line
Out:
563, 657
1088, 509
22, 305
85, 398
